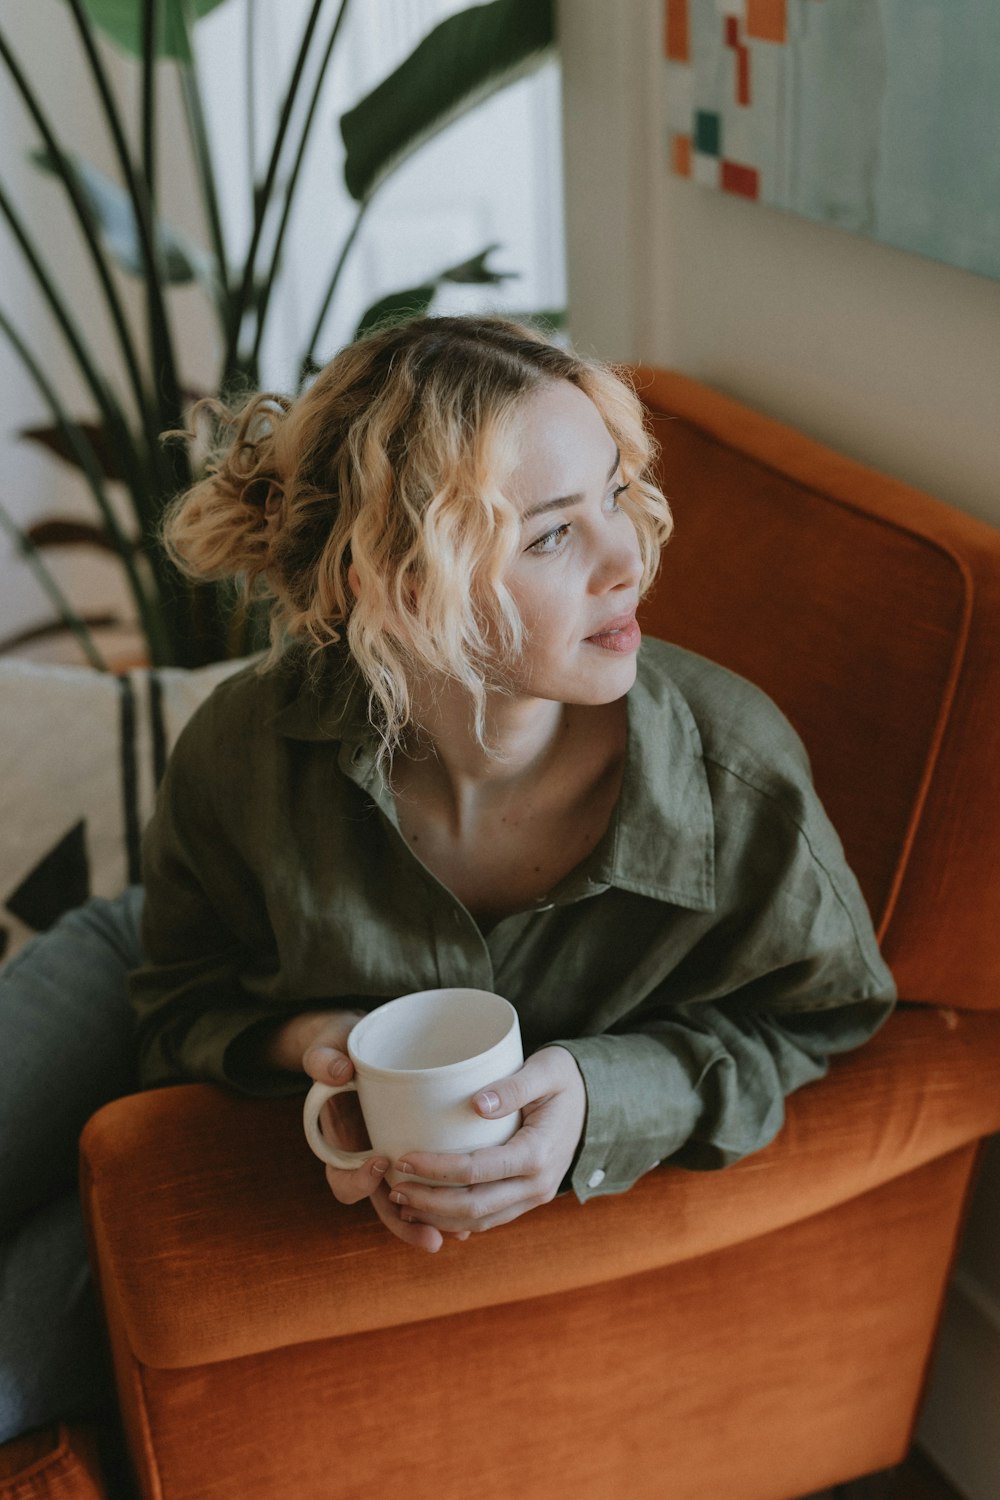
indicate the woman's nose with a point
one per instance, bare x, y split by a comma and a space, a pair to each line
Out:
621, 565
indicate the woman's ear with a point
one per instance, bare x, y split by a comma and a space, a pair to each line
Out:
354, 580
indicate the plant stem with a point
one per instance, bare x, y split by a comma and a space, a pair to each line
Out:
264, 196
265, 297
206, 181
152, 623
149, 16
166, 386
67, 176
250, 80
137, 474
202, 154
67, 613
332, 286
98, 386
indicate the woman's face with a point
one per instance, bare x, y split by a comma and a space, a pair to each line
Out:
577, 574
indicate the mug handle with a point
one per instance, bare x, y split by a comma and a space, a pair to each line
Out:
315, 1099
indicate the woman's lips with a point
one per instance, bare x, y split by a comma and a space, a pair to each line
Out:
622, 635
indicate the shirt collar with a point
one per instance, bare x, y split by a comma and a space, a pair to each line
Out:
661, 842
330, 703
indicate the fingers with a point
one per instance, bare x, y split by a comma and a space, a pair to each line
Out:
359, 1182
326, 1064
551, 1122
473, 1191
325, 1058
461, 1211
421, 1236
477, 1190
544, 1074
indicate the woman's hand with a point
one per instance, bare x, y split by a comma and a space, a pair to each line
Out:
318, 1044
481, 1189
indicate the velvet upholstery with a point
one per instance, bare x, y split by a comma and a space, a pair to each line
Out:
760, 1332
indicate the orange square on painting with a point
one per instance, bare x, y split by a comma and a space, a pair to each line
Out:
680, 155
678, 45
767, 20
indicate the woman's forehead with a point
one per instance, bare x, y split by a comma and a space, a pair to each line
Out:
564, 443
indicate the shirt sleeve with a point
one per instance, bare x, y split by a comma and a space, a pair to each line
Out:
719, 1077
205, 928
794, 978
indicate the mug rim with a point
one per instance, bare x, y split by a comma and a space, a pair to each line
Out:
375, 1070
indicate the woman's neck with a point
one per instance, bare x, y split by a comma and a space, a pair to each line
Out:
526, 737
502, 831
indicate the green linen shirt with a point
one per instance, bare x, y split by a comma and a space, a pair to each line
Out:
705, 960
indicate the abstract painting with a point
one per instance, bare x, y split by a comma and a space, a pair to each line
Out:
881, 117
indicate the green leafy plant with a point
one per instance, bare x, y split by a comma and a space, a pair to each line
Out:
462, 61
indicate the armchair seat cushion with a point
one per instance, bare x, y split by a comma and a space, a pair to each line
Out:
229, 1243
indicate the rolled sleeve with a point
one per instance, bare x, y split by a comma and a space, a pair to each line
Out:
704, 1089
624, 1137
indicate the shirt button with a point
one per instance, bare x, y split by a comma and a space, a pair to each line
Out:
596, 1178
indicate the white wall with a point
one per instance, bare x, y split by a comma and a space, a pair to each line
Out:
885, 356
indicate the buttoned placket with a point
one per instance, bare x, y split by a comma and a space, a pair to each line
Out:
465, 956
461, 953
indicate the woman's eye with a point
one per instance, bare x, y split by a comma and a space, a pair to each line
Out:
613, 497
552, 540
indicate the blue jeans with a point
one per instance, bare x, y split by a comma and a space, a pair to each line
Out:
66, 1048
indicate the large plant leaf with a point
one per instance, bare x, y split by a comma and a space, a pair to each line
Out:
59, 627
113, 217
121, 20
106, 455
463, 61
413, 302
57, 532
397, 307
476, 272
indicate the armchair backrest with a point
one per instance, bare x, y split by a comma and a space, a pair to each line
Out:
871, 614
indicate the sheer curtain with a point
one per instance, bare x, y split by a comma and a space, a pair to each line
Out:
494, 177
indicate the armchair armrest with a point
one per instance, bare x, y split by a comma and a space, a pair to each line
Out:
215, 1225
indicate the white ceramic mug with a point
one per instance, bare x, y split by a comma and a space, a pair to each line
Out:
418, 1063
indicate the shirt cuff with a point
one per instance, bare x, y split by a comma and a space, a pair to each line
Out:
641, 1107
209, 1053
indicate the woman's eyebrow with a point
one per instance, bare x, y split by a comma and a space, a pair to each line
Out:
562, 500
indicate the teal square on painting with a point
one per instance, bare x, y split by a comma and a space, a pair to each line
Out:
707, 133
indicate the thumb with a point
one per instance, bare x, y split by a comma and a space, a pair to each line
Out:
327, 1065
513, 1093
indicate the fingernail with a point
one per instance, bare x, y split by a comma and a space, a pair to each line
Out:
339, 1070
404, 1166
379, 1168
399, 1198
489, 1103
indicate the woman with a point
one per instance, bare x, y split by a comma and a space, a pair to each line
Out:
458, 766
461, 769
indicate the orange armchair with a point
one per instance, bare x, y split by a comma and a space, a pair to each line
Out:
760, 1332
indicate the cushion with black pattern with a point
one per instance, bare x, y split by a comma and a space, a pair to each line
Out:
81, 756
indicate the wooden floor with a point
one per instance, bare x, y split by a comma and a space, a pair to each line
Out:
917, 1479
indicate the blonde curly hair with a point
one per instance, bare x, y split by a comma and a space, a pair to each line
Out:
395, 460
